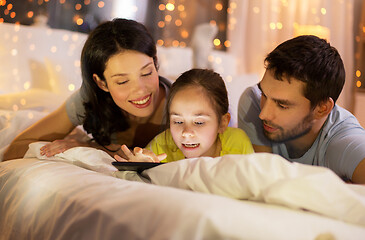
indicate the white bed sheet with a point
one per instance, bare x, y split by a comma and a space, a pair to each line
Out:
47, 199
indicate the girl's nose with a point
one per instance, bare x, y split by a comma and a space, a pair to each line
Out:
187, 132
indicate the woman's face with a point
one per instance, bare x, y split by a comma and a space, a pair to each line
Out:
132, 81
194, 123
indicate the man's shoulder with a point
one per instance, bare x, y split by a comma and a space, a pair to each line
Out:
340, 119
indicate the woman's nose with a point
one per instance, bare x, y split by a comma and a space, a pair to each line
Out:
139, 84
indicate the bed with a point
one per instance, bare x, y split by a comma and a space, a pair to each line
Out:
78, 194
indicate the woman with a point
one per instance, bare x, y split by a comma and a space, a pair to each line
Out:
120, 101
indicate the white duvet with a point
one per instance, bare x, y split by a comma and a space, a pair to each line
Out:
79, 195
259, 177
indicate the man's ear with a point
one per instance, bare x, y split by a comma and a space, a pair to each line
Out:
224, 122
101, 83
324, 108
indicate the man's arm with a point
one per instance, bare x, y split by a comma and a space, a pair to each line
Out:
359, 174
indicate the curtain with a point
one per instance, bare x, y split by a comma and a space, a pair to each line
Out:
256, 27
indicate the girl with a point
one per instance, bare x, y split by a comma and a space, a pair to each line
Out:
197, 110
120, 101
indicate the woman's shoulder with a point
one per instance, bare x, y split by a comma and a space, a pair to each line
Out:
165, 82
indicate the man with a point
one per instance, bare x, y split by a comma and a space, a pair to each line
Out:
292, 111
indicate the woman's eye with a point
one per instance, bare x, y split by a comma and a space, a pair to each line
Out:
147, 74
178, 122
122, 82
199, 123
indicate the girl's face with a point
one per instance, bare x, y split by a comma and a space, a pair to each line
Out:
194, 123
132, 81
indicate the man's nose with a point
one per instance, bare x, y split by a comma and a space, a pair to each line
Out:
266, 111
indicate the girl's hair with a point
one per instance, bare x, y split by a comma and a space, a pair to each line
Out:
210, 81
102, 116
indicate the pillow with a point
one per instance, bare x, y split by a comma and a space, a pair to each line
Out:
23, 50
64, 75
235, 86
174, 61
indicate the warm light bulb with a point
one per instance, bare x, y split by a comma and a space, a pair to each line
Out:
160, 42
219, 6
79, 21
184, 34
168, 18
78, 6
178, 22
170, 7
216, 42
161, 24
358, 84
71, 87
162, 7
358, 73
227, 43
101, 4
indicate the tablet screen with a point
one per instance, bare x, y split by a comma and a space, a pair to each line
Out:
135, 166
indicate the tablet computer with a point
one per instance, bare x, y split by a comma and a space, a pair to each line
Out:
135, 166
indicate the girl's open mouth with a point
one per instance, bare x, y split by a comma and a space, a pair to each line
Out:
190, 145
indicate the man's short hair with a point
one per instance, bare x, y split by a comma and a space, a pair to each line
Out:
313, 61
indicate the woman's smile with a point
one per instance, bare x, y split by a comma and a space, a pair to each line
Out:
142, 102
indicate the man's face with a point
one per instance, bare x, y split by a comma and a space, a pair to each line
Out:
285, 112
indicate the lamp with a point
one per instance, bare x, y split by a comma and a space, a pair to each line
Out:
317, 30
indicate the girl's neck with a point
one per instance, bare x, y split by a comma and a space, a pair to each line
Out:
214, 150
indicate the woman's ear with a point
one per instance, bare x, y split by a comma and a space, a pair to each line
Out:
101, 83
324, 108
224, 122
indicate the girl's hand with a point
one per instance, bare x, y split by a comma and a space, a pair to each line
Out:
139, 155
59, 146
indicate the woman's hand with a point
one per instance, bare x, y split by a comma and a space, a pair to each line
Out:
59, 146
139, 155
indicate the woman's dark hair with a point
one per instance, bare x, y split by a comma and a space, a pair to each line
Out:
210, 81
313, 61
102, 116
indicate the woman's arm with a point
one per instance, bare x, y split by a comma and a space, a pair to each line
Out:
54, 126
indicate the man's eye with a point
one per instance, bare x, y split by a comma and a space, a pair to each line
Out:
282, 106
